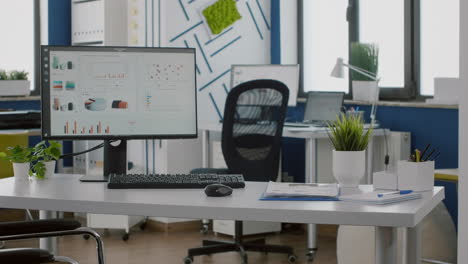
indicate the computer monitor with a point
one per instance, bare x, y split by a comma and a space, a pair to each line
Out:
118, 93
323, 106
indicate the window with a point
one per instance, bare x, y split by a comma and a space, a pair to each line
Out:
418, 41
439, 34
326, 30
383, 22
17, 45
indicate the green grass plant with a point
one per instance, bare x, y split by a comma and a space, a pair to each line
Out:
347, 133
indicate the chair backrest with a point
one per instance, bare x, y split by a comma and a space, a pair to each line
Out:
252, 128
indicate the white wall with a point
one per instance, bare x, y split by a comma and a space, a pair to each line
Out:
288, 31
463, 139
250, 37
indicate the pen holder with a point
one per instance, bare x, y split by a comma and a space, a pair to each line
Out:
416, 176
385, 180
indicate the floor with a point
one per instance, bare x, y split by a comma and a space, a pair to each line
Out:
171, 247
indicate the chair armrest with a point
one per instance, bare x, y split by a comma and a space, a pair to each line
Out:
78, 231
37, 226
25, 255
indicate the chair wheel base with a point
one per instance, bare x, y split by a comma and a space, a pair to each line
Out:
188, 260
311, 255
292, 258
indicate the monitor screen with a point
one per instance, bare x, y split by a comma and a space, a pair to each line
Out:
113, 92
323, 106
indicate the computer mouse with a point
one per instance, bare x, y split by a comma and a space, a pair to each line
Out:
218, 190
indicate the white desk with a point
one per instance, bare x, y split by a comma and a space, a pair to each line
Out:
311, 137
64, 192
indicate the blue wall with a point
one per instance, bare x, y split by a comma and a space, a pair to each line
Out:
427, 125
59, 22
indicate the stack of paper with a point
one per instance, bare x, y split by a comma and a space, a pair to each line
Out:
301, 191
373, 198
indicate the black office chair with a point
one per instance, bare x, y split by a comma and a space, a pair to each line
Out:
251, 139
42, 229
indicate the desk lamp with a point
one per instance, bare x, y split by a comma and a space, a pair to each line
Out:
338, 72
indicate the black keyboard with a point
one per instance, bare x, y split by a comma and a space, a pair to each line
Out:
173, 181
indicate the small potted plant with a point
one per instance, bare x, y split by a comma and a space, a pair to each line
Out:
366, 57
45, 155
14, 84
350, 142
20, 157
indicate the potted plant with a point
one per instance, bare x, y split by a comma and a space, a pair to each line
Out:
366, 57
20, 158
14, 84
45, 155
350, 141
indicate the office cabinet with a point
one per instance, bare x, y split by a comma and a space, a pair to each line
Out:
99, 22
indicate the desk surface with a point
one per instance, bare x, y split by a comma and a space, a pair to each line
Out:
293, 132
64, 192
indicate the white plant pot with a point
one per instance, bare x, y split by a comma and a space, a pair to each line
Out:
21, 170
50, 168
349, 167
15, 87
416, 176
365, 91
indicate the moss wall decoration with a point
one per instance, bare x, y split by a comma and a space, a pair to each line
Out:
221, 15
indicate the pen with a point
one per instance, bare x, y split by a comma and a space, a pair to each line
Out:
380, 195
418, 155
425, 150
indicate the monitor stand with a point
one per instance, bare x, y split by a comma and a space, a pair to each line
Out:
115, 161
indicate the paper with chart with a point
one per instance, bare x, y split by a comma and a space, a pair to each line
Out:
373, 198
287, 74
285, 189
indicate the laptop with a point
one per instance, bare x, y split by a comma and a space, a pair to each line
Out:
321, 109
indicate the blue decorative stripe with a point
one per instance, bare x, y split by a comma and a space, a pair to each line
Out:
196, 65
255, 21
202, 52
216, 106
191, 1
184, 32
214, 80
225, 46
263, 14
152, 22
217, 37
225, 88
183, 9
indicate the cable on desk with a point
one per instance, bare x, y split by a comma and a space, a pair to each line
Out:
85, 151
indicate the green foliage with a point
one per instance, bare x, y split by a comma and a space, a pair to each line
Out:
3, 75
365, 56
13, 75
47, 152
18, 75
221, 15
17, 154
44, 152
347, 133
